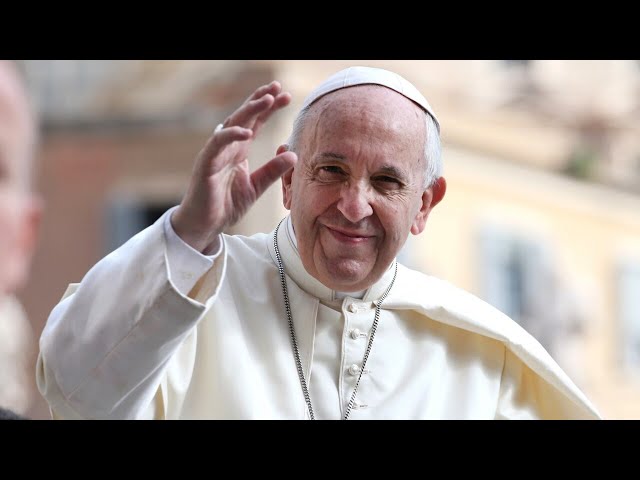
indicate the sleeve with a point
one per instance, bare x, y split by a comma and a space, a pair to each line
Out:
185, 264
106, 345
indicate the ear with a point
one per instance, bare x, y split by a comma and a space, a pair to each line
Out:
430, 198
286, 180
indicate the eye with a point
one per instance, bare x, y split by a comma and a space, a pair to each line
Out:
387, 182
387, 179
330, 173
331, 169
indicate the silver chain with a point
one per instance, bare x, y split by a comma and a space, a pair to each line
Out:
294, 343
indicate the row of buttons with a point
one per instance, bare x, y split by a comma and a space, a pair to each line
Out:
355, 333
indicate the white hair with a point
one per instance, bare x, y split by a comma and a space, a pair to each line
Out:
432, 152
432, 147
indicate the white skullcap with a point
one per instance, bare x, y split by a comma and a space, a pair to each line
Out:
352, 76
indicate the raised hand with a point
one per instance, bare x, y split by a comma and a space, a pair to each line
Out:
221, 188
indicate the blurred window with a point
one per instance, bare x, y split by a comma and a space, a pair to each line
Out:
125, 218
518, 277
512, 267
629, 314
63, 89
516, 63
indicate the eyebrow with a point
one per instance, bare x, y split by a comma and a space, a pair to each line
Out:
385, 169
393, 171
331, 156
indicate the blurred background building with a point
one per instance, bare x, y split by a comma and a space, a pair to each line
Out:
541, 216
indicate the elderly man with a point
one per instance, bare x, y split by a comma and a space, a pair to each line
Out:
20, 213
314, 320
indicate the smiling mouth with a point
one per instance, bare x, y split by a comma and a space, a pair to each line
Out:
347, 237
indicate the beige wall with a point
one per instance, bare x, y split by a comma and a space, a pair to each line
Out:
589, 228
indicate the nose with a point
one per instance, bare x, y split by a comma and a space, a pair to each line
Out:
355, 203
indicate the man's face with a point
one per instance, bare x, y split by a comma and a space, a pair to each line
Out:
358, 187
19, 210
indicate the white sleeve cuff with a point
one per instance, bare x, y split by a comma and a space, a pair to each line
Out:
186, 265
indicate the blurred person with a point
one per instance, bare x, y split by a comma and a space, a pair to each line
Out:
20, 212
314, 320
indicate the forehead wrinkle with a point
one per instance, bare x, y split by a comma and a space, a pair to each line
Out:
339, 108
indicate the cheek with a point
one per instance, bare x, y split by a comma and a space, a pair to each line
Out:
396, 219
315, 200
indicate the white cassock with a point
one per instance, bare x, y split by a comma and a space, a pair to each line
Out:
147, 335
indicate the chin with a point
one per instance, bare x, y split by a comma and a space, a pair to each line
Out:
344, 286
346, 278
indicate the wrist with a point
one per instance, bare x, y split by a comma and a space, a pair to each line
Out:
205, 241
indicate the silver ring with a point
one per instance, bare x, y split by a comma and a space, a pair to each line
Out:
218, 128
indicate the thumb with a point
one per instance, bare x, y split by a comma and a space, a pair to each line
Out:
271, 171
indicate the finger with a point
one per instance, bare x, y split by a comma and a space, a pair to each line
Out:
247, 114
224, 137
273, 88
271, 171
259, 102
281, 101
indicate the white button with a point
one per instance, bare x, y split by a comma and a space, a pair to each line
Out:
355, 333
354, 370
353, 308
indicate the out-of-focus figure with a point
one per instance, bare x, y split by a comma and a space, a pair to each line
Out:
20, 213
